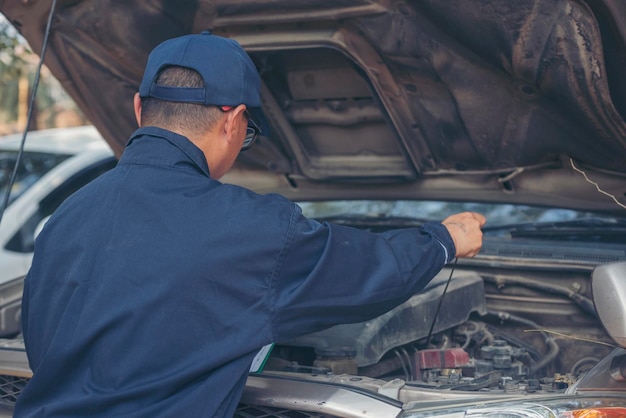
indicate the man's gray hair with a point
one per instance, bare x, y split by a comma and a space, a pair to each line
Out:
180, 117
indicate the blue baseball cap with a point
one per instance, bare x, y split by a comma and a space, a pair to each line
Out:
230, 77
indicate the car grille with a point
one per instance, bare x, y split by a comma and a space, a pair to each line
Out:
10, 388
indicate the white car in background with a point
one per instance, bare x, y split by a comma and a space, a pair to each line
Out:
55, 163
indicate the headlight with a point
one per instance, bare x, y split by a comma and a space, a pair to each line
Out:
609, 406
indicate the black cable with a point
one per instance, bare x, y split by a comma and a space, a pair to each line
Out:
553, 347
432, 326
31, 104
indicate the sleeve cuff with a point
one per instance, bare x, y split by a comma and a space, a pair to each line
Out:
441, 234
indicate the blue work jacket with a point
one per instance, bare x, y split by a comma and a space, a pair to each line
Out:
153, 287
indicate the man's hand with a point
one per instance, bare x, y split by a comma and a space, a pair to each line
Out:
464, 228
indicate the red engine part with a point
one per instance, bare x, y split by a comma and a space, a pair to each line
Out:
450, 358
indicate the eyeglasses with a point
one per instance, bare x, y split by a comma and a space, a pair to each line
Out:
252, 130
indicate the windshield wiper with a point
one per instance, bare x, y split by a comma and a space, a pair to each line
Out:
585, 229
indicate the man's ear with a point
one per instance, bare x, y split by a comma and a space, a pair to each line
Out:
234, 122
137, 106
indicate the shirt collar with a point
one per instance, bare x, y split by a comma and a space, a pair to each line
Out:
179, 141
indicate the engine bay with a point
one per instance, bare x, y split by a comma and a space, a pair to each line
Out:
499, 329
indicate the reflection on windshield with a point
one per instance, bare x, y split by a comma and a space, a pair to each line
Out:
497, 214
34, 165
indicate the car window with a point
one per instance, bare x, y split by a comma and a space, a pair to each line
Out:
24, 240
34, 165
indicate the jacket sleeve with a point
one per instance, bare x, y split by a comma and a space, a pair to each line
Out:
329, 274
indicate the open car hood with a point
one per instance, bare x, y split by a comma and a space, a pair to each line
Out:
461, 99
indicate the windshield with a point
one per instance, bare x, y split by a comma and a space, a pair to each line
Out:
34, 165
502, 219
497, 214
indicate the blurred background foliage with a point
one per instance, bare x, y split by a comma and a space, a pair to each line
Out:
18, 64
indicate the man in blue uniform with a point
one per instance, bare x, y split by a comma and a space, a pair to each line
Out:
153, 287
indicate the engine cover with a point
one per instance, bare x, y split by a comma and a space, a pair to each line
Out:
408, 322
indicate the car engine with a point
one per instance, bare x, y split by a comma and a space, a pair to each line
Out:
494, 330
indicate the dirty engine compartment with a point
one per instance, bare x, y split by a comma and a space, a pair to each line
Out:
504, 325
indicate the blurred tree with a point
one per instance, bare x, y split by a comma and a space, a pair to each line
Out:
12, 51
14, 71
18, 64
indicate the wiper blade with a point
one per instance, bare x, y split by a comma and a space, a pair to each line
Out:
587, 229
